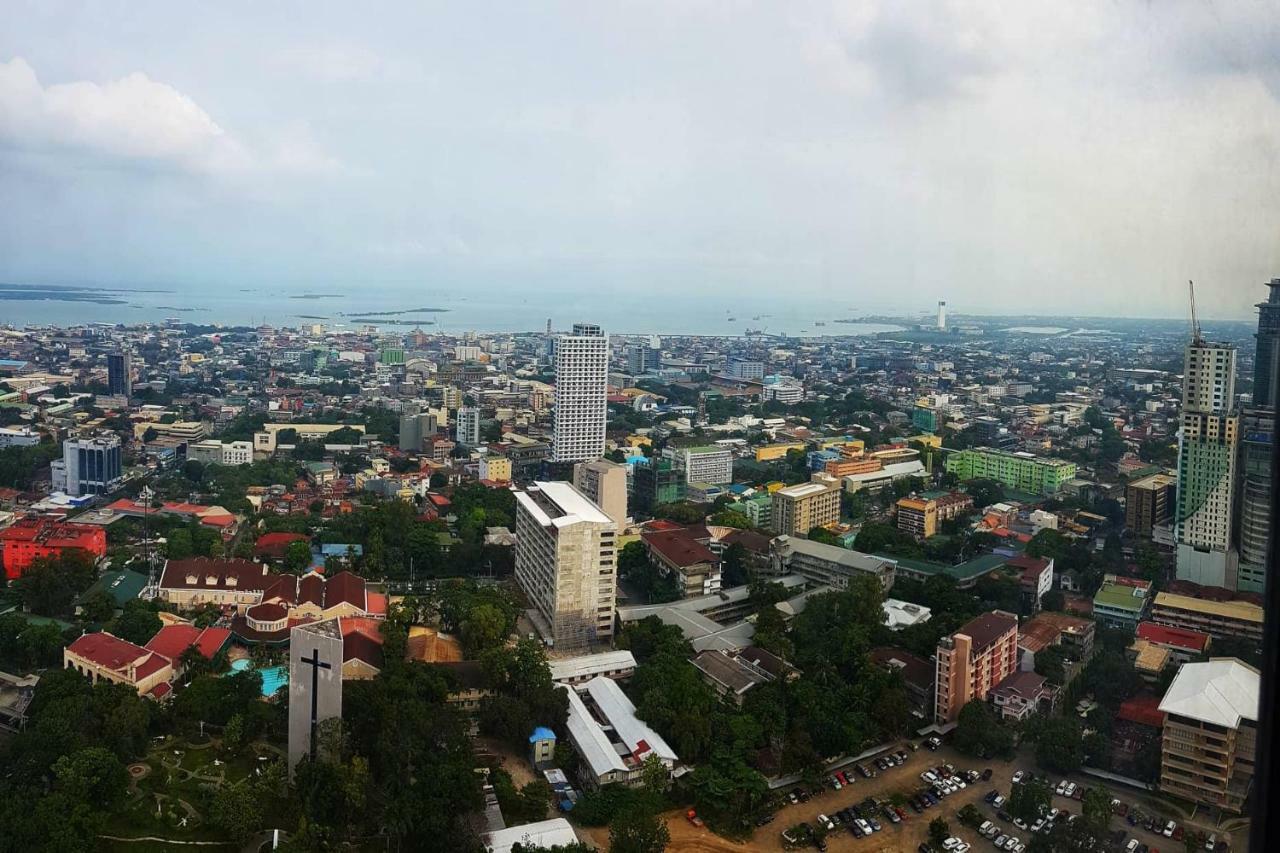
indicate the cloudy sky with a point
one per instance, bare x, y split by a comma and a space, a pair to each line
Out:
1084, 157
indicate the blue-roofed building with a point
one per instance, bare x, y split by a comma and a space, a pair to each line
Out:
542, 747
818, 459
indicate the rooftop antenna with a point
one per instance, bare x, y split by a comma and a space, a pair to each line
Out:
1197, 339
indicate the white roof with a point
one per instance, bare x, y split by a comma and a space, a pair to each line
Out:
562, 670
621, 714
802, 490
544, 833
590, 739
575, 505
1222, 691
897, 469
903, 614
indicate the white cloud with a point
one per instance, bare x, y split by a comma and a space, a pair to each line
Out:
138, 120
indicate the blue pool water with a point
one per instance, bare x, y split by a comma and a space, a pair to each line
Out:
273, 677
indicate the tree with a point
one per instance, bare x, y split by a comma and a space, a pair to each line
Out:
138, 622
984, 492
236, 810
484, 627
93, 776
939, 831
733, 565
969, 815
297, 556
97, 607
638, 831
49, 585
178, 545
1096, 808
978, 733
1059, 746
1030, 799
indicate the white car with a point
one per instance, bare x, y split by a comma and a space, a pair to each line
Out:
1038, 825
1018, 777
986, 825
1071, 789
1019, 848
951, 843
998, 802
1061, 790
863, 825
1131, 846
929, 776
1020, 823
1169, 829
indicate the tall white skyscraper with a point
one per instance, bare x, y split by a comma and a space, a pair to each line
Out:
1207, 466
566, 563
582, 379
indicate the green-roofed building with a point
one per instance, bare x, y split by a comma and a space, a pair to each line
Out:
966, 574
122, 586
1121, 602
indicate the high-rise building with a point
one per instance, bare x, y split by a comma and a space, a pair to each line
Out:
605, 483
942, 315
1203, 519
468, 432
637, 359
800, 508
582, 381
566, 563
119, 373
1253, 498
656, 481
415, 428
89, 466
973, 660
1266, 366
1148, 503
708, 464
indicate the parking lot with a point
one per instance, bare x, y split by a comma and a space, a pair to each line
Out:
910, 832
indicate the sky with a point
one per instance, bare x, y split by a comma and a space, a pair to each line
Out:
1031, 157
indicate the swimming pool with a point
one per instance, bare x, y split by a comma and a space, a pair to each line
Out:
273, 677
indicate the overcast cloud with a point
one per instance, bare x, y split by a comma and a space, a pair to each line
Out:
1084, 157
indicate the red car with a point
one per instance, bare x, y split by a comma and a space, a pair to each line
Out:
844, 780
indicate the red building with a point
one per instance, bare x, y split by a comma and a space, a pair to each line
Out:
30, 538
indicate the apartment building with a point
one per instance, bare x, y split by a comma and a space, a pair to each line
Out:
1218, 619
973, 661
566, 563
605, 484
1016, 469
798, 509
468, 427
1148, 503
1208, 743
495, 468
679, 554
582, 376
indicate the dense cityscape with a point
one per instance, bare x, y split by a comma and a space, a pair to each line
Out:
971, 583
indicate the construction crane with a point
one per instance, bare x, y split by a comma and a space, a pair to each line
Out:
1196, 338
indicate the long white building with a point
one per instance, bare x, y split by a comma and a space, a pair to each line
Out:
1207, 466
582, 381
566, 562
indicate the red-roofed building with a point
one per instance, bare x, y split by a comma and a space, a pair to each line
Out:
1183, 643
172, 641
1021, 694
102, 656
679, 554
272, 546
1036, 580
34, 537
209, 516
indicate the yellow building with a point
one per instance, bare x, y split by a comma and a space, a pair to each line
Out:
918, 516
926, 439
496, 468
798, 509
770, 452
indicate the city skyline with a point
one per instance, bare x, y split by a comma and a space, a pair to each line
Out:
1079, 162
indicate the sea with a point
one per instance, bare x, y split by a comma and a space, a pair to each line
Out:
393, 309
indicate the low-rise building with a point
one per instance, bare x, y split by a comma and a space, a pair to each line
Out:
918, 676
1036, 579
679, 554
104, 657
611, 741
1218, 619
828, 565
1121, 602
1183, 644
798, 509
618, 665
1022, 694
918, 517
732, 674
36, 537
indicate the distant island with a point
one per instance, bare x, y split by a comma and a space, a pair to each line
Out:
394, 313
316, 296
384, 321
311, 316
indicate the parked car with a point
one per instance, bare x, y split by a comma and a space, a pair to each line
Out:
1017, 777
933, 743
692, 817
1168, 829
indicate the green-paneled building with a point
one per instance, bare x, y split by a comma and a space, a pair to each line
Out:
1024, 471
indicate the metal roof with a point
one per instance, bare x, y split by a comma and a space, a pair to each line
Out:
1222, 691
